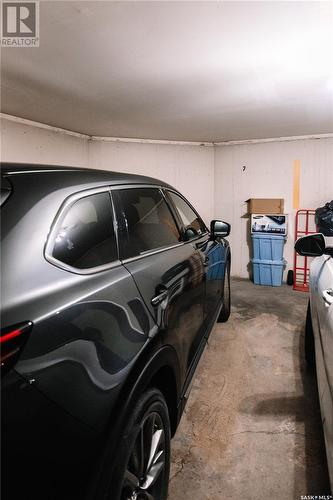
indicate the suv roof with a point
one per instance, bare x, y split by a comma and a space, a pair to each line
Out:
83, 175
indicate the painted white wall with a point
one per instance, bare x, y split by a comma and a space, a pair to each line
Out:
189, 168
269, 174
21, 142
212, 178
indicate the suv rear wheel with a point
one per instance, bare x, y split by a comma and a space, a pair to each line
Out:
144, 456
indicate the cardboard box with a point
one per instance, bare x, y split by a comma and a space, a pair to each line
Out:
274, 224
265, 205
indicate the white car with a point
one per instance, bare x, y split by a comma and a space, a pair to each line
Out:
319, 328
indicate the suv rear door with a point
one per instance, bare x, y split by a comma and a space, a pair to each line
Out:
89, 326
168, 273
89, 321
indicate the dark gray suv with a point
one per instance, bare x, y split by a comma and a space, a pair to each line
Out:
111, 284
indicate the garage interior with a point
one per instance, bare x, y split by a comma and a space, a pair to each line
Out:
225, 101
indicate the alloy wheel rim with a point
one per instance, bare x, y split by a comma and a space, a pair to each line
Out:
144, 472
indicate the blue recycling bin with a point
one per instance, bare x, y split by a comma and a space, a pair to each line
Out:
268, 262
268, 246
268, 272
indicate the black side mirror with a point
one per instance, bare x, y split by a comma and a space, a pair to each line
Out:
219, 229
312, 245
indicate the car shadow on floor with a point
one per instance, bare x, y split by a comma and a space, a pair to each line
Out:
317, 478
301, 411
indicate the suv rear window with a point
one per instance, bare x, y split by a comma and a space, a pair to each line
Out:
144, 221
84, 237
5, 190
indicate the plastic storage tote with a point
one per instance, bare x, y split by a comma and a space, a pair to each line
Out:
268, 246
268, 272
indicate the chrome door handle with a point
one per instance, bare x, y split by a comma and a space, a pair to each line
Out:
159, 298
328, 296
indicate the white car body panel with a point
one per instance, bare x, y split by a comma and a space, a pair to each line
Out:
321, 284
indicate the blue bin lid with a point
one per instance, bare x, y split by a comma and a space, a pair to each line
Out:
282, 262
269, 236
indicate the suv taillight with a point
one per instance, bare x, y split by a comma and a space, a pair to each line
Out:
12, 341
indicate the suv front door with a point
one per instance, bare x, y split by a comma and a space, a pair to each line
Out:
213, 254
168, 274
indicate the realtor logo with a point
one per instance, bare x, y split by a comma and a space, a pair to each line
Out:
20, 24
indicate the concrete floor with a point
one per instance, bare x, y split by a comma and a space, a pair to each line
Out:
252, 429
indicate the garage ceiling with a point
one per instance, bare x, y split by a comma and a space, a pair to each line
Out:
193, 71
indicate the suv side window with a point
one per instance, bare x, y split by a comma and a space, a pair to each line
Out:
192, 224
85, 236
145, 221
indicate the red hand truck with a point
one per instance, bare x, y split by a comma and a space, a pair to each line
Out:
305, 224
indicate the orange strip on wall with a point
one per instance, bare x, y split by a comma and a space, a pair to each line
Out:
297, 173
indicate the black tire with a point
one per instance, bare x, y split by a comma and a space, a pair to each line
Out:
145, 447
225, 311
309, 345
290, 277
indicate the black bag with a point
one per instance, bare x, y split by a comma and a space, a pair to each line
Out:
324, 219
